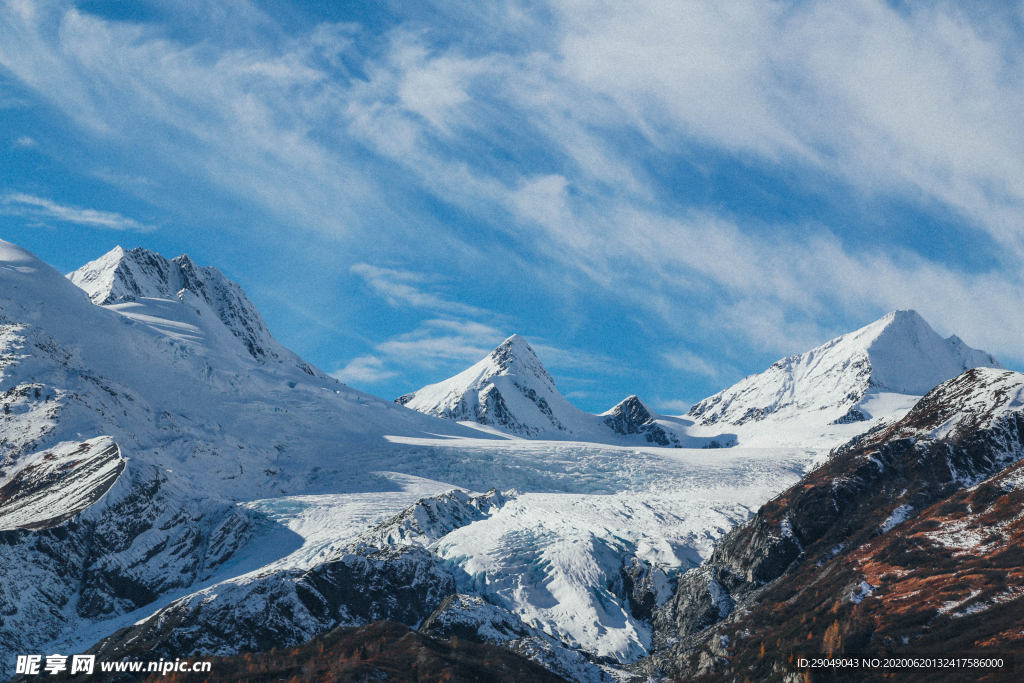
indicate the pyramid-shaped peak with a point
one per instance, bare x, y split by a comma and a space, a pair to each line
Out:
908, 356
906, 320
898, 353
126, 275
633, 410
516, 351
514, 344
906, 316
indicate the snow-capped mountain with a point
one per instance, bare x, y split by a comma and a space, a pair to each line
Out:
510, 390
633, 416
148, 456
122, 277
875, 373
129, 433
163, 485
890, 543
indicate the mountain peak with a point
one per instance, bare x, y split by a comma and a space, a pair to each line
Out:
516, 351
899, 353
509, 389
124, 276
632, 416
632, 405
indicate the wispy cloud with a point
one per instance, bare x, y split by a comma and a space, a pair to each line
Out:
544, 145
436, 342
20, 204
24, 142
364, 370
671, 406
404, 288
437, 345
689, 362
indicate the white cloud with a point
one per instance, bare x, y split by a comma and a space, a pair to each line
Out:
689, 362
922, 104
20, 204
922, 100
364, 370
398, 288
671, 406
439, 342
436, 345
25, 142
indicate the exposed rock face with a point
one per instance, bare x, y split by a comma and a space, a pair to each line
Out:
644, 587
431, 518
56, 485
126, 276
632, 416
817, 539
510, 390
94, 566
387, 573
899, 353
287, 608
471, 618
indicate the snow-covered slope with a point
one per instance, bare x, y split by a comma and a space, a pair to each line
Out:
842, 387
208, 469
120, 277
510, 390
199, 424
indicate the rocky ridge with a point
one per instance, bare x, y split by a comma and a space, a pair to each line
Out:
122, 277
850, 530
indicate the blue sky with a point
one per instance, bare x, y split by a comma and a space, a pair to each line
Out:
662, 196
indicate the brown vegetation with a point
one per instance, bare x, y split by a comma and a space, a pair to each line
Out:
382, 651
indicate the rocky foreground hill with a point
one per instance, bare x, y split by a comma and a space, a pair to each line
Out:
908, 541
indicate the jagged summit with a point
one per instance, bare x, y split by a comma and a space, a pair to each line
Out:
898, 354
509, 389
120, 277
632, 409
633, 416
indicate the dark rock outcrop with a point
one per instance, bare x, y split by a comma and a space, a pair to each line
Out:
788, 556
632, 416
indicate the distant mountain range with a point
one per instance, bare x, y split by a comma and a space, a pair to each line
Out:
175, 482
511, 391
871, 375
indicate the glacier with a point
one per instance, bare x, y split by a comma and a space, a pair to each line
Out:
202, 465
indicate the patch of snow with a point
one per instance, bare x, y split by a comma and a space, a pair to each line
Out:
863, 590
898, 516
